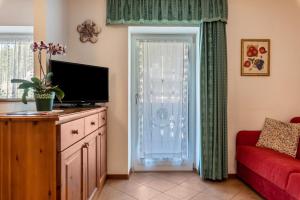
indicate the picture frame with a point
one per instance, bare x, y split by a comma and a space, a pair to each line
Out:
255, 57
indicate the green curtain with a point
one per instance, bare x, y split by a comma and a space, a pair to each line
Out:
213, 100
211, 16
179, 12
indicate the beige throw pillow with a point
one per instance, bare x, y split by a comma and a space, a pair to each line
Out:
280, 136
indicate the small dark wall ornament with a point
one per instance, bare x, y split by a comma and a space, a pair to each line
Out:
88, 31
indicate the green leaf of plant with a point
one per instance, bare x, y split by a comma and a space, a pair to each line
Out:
24, 96
49, 76
58, 93
38, 85
26, 85
19, 81
36, 80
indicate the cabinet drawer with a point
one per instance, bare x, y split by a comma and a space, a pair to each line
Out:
102, 118
71, 132
91, 124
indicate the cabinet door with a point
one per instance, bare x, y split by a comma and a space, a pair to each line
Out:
103, 154
5, 135
98, 139
91, 142
72, 173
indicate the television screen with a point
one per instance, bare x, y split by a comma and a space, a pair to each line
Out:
81, 83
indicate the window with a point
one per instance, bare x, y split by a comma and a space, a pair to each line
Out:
16, 59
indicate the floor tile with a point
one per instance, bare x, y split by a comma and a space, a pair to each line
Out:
142, 178
109, 193
247, 194
203, 196
177, 177
144, 193
174, 186
195, 184
223, 191
161, 185
124, 185
163, 196
181, 192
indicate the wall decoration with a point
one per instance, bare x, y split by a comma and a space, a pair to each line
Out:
88, 31
255, 59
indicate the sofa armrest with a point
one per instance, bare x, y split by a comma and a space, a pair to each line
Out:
248, 138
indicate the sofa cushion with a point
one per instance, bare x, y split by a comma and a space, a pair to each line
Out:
280, 136
296, 120
271, 165
298, 153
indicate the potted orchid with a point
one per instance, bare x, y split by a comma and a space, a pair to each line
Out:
44, 91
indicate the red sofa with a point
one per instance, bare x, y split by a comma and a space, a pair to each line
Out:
274, 175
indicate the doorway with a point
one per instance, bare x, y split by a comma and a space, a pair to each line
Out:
163, 101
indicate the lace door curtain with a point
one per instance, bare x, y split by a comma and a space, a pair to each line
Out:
16, 61
163, 100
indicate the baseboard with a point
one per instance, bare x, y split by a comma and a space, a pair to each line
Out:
196, 171
232, 176
118, 176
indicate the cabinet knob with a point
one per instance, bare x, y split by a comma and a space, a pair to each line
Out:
75, 132
101, 133
93, 123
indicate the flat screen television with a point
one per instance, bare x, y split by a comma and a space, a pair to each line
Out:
82, 84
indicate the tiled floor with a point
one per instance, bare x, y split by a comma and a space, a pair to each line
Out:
174, 186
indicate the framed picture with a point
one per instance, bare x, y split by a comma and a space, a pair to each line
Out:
255, 59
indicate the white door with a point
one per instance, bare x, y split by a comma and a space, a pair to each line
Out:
163, 139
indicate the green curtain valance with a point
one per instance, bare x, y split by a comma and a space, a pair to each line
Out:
176, 12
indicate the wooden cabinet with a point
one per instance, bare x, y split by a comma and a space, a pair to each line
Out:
103, 155
91, 123
72, 172
86, 157
98, 139
66, 155
79, 169
92, 166
4, 158
102, 158
71, 133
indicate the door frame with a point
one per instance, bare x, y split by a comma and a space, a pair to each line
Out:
134, 30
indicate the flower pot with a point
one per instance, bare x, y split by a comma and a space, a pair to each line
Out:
44, 101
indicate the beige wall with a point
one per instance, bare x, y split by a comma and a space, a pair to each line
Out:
110, 51
57, 17
251, 99
16, 12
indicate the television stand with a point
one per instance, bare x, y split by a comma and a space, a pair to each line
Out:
78, 105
